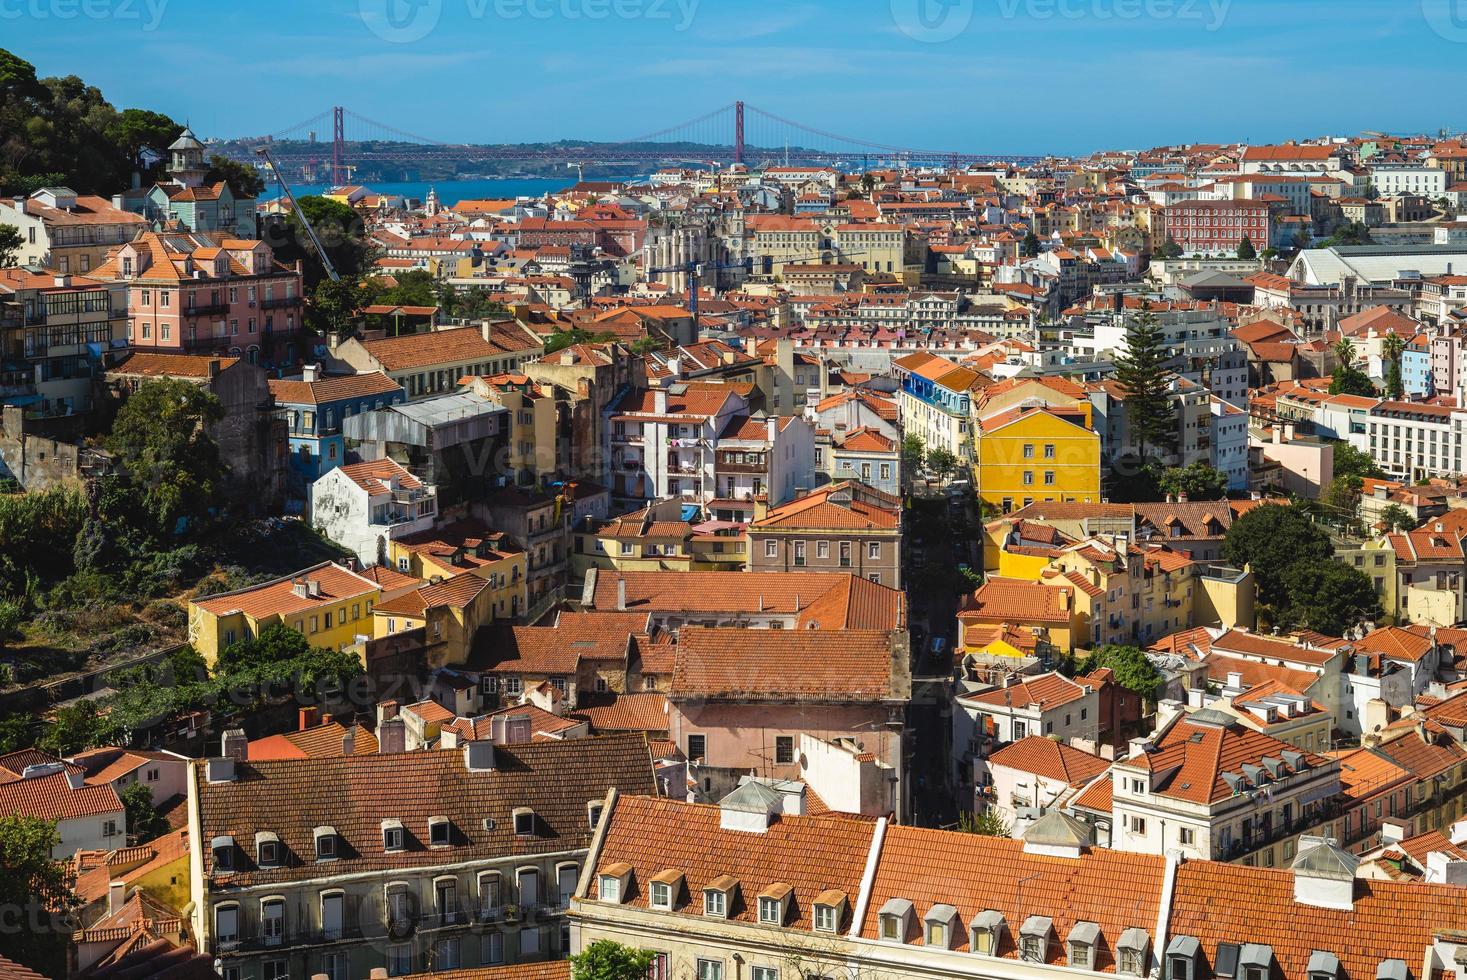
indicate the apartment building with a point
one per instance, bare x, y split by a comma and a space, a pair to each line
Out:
87, 814
49, 327
316, 405
427, 364
365, 506
936, 403
68, 232
1031, 453
660, 441
747, 889
191, 293
1219, 227
845, 527
1412, 440
741, 698
329, 604
443, 860
1210, 787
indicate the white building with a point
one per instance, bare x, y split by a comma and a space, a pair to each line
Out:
365, 505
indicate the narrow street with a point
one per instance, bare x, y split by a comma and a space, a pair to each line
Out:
933, 543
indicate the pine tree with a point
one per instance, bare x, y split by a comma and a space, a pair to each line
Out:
1141, 372
1246, 251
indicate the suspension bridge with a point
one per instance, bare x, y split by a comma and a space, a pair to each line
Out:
732, 134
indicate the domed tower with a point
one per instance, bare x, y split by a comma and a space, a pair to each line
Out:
186, 159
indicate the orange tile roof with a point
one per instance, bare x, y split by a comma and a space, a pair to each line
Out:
446, 347
1050, 759
810, 854
974, 873
354, 795
333, 388
152, 364
1046, 691
786, 665
645, 712
53, 798
1190, 758
1253, 645
278, 597
326, 741
858, 510
831, 600
1016, 601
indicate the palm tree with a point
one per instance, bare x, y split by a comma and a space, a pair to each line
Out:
1393, 347
1345, 352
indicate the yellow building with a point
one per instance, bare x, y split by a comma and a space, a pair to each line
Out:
1030, 453
658, 538
450, 612
327, 603
532, 422
467, 546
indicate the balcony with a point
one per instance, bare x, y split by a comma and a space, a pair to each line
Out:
280, 302
449, 916
211, 309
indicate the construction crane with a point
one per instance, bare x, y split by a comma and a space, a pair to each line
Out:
695, 271
310, 232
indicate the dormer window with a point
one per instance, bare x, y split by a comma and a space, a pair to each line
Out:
1081, 942
593, 812
439, 831
664, 889
1131, 952
267, 850
223, 850
1323, 966
938, 926
1181, 958
894, 920
394, 839
325, 843
829, 907
986, 932
1255, 961
613, 884
524, 822
1034, 938
718, 896
774, 904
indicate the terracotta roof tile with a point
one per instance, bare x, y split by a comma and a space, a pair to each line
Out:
784, 665
1050, 759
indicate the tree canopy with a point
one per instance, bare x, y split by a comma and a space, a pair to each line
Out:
36, 893
608, 960
1197, 480
244, 179
1246, 249
1328, 596
1141, 372
339, 228
1350, 461
1132, 668
1271, 539
161, 436
62, 131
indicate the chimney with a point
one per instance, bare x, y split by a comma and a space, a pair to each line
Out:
234, 745
1235, 680
309, 718
62, 281
659, 400
313, 588
310, 372
116, 896
392, 737
75, 779
349, 741
299, 589
621, 595
213, 368
386, 710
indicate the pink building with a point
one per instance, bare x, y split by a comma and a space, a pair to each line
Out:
741, 699
208, 294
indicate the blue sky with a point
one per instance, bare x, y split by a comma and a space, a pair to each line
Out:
974, 75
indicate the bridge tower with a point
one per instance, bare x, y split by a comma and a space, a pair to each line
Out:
739, 131
338, 146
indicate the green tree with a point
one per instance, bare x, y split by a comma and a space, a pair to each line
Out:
336, 304
561, 339
1142, 374
1351, 381
1397, 518
868, 183
339, 228
943, 463
73, 728
1030, 246
36, 893
605, 959
1133, 670
1271, 539
161, 436
989, 823
1350, 461
244, 179
1394, 348
1197, 480
1246, 251
914, 454
1350, 233
10, 242
141, 131
1169, 248
12, 614
416, 287
1343, 497
1328, 597
144, 823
